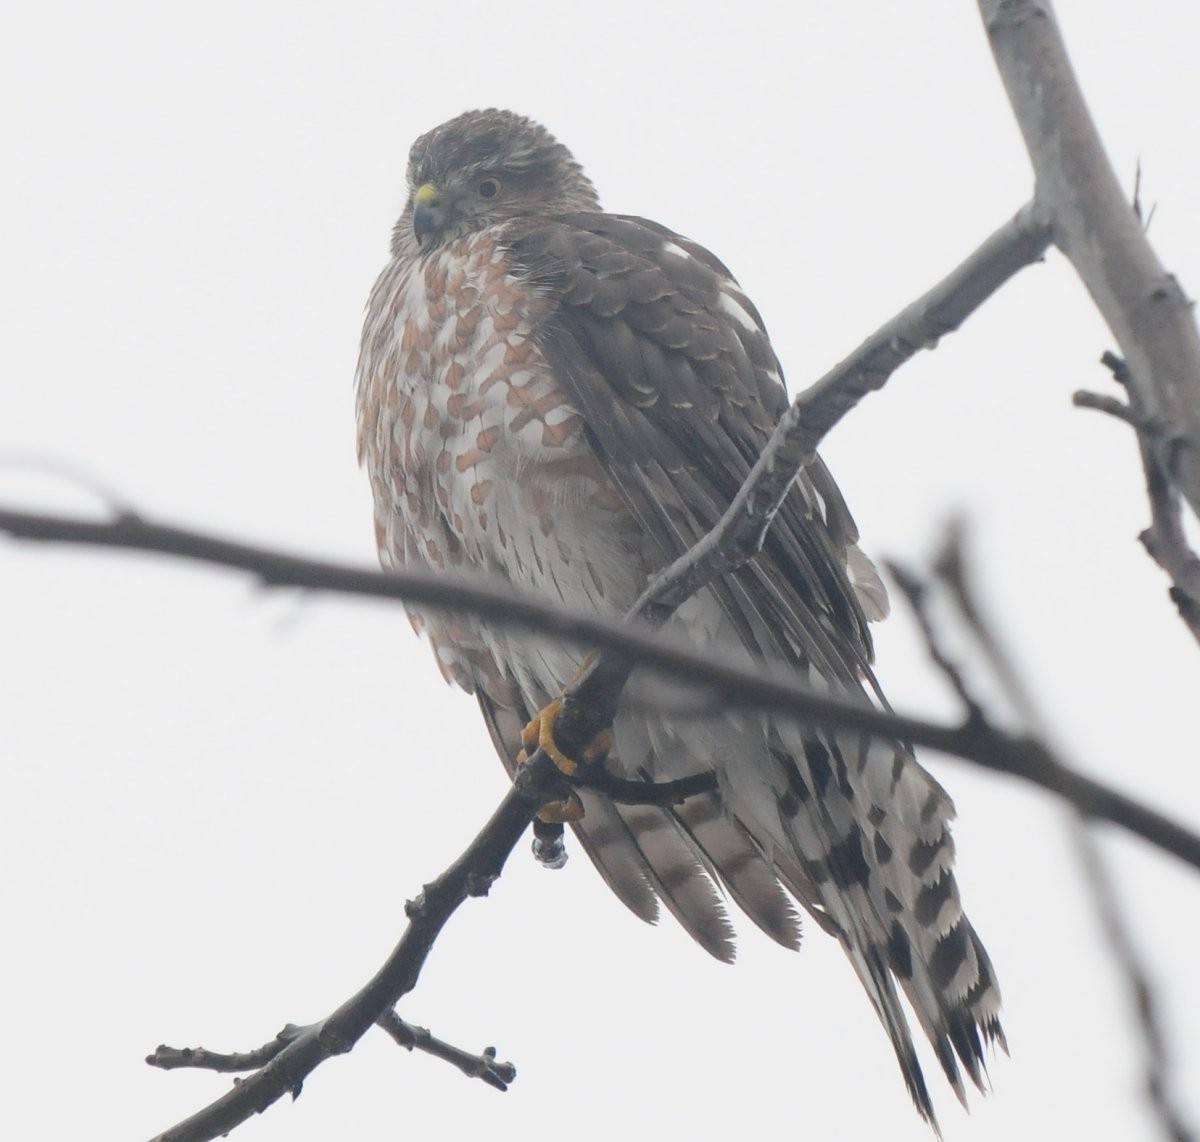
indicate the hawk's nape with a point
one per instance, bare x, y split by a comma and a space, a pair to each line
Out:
568, 399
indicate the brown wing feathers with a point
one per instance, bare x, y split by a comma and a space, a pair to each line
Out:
656, 322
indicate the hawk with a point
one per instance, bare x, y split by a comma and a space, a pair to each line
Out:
567, 400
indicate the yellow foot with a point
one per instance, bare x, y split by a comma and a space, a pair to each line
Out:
540, 734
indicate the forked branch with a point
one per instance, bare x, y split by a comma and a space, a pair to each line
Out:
285, 1070
1094, 225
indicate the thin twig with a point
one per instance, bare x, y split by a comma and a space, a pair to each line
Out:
1082, 398
69, 472
914, 590
202, 1059
1164, 540
483, 1066
950, 567
1144, 217
644, 792
1129, 962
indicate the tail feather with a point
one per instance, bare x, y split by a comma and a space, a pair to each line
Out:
875, 839
607, 842
732, 858
854, 830
946, 972
673, 871
644, 853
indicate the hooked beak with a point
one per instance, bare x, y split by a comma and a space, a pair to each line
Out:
428, 214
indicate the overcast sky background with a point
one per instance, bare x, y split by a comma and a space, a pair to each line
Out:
214, 799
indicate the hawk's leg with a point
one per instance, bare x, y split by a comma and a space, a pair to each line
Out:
539, 734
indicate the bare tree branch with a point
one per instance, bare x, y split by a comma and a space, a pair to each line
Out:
483, 1066
761, 687
285, 1070
1093, 225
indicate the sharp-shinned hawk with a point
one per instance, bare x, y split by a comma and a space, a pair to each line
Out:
567, 399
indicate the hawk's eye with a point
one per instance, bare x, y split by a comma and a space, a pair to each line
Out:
489, 188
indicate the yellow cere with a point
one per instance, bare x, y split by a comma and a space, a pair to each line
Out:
426, 194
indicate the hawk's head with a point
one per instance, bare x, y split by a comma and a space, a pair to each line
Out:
482, 168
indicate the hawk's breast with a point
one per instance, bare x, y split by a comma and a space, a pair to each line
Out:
477, 459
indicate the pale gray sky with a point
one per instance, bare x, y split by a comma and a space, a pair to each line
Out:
214, 799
